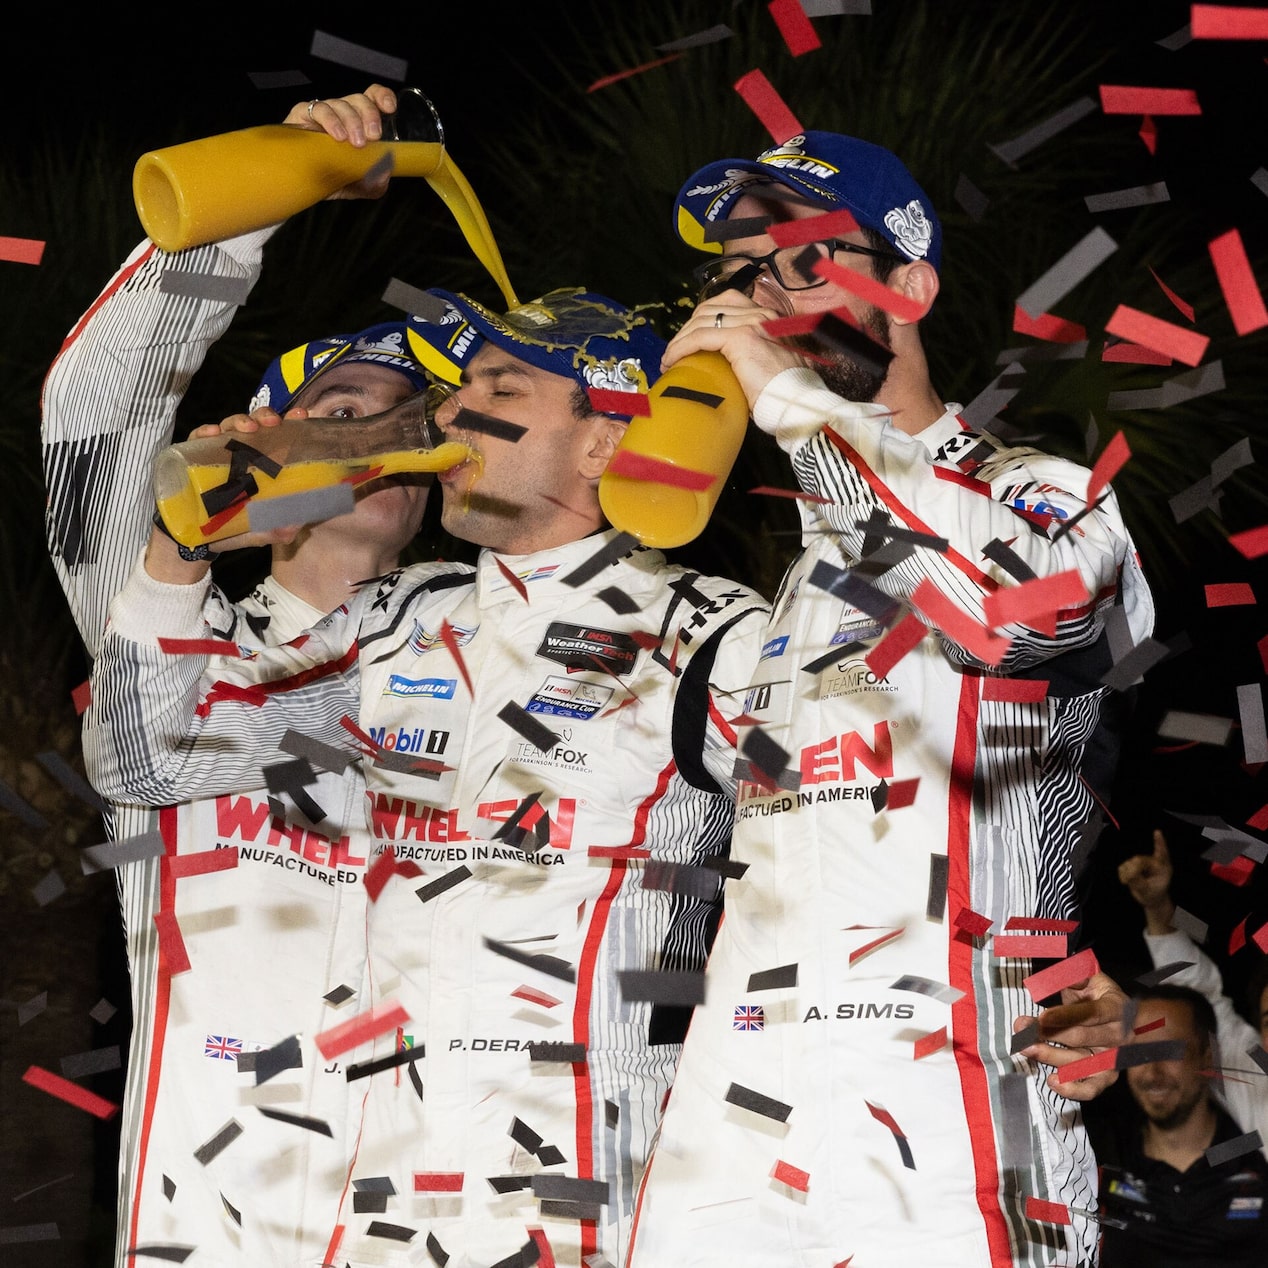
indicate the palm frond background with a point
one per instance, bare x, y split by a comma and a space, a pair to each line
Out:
578, 186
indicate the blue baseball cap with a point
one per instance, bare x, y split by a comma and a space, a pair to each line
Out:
576, 333
388, 344
822, 167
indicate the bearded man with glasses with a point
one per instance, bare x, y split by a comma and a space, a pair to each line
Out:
924, 750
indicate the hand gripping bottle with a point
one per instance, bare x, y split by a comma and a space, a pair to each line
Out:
670, 467
204, 488
220, 186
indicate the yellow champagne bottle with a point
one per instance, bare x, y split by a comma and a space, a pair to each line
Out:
696, 425
203, 191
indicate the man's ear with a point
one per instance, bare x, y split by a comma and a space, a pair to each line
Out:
918, 282
605, 435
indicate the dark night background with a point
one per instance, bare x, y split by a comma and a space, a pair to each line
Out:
578, 186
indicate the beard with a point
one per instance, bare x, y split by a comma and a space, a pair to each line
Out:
841, 373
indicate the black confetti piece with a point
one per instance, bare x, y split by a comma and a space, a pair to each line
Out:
341, 994
455, 876
393, 1232
306, 1121
221, 1140
616, 549
766, 1106
773, 979
548, 964
523, 723
567, 1052
407, 1056
651, 985
939, 871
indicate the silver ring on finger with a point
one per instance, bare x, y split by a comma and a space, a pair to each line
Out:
717, 321
315, 102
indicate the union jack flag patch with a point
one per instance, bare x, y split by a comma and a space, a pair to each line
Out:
749, 1017
223, 1047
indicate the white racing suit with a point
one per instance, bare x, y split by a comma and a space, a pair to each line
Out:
819, 1116
552, 772
266, 938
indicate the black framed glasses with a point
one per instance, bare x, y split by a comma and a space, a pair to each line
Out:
792, 267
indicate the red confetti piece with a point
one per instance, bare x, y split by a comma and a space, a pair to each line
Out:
361, 477
972, 922
1125, 99
796, 324
1047, 1212
367, 742
608, 80
1149, 134
1157, 1024
794, 26
882, 1115
81, 697
1252, 543
1237, 872
928, 1044
793, 1177
21, 250
534, 996
201, 863
1042, 946
545, 1253
606, 401
769, 490
1186, 346
1036, 603
1229, 594
1259, 820
617, 851
1237, 281
360, 1029
1126, 352
1112, 460
1041, 924
635, 466
1015, 690
1237, 939
221, 518
888, 936
1078, 968
171, 944
384, 868
520, 588
831, 224
1046, 326
957, 625
898, 641
762, 99
870, 290
450, 640
1185, 307
1227, 22
438, 1181
199, 647
71, 1093
1097, 1063
1260, 937
901, 793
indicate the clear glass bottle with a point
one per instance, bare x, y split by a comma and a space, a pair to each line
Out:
204, 486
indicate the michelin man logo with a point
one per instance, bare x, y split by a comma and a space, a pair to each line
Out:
912, 229
390, 344
262, 398
616, 376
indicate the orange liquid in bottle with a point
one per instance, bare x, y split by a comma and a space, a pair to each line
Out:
185, 514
